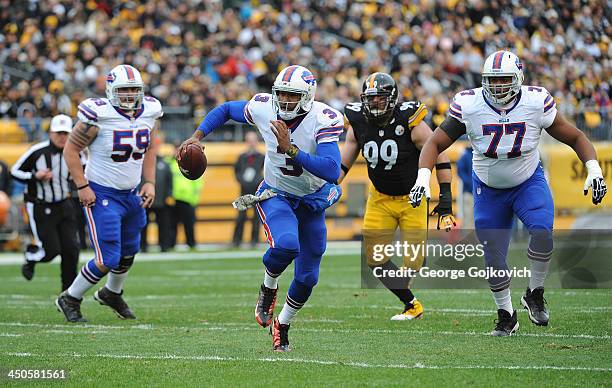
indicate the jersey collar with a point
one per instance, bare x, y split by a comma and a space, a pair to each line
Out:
503, 111
293, 124
122, 112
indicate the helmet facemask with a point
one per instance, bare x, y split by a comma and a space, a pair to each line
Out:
378, 106
128, 97
501, 93
289, 109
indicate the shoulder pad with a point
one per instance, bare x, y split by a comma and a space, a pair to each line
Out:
153, 107
330, 124
92, 110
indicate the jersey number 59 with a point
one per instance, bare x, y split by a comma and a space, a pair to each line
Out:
122, 151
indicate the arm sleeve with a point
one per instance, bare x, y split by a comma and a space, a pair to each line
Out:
453, 127
325, 164
217, 117
22, 169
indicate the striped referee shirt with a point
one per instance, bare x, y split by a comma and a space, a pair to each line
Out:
44, 156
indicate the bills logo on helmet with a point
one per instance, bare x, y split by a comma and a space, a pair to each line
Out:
110, 77
519, 65
309, 78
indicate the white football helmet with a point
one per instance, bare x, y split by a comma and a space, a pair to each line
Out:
502, 64
294, 79
124, 76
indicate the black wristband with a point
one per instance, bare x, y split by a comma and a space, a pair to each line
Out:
82, 187
344, 168
443, 166
445, 188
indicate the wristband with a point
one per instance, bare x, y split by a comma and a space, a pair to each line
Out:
593, 167
292, 151
82, 187
344, 168
146, 181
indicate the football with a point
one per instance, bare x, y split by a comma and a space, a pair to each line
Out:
192, 162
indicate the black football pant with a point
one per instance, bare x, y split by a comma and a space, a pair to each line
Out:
184, 214
163, 221
55, 227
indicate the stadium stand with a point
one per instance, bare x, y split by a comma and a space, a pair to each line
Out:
196, 54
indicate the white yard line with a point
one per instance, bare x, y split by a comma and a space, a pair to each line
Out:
333, 249
233, 326
10, 335
308, 361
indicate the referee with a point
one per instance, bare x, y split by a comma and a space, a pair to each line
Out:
51, 213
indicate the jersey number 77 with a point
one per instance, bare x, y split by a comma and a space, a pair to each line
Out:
499, 130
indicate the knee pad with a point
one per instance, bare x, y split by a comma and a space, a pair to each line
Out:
124, 264
308, 280
540, 245
287, 242
277, 259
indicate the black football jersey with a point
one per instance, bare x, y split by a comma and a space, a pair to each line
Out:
390, 154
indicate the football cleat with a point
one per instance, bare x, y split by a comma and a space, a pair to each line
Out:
70, 306
108, 298
280, 337
27, 269
533, 301
264, 309
413, 310
505, 324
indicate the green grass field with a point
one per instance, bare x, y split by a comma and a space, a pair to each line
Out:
196, 326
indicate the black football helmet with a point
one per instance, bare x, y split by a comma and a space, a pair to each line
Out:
379, 97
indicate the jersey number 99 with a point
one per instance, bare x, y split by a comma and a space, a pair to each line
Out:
123, 151
388, 153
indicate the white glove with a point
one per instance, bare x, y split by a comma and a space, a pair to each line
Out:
249, 200
421, 186
595, 181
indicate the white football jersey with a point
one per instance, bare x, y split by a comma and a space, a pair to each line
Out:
320, 125
505, 142
116, 154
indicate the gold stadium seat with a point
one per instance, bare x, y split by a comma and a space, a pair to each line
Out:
10, 132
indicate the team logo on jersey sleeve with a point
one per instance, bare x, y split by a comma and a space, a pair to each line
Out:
399, 130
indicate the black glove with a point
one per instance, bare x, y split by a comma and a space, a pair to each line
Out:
444, 209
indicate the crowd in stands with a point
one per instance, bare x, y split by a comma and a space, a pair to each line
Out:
199, 53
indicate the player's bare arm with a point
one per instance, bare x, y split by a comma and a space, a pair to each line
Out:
420, 134
147, 190
437, 143
81, 136
566, 133
350, 151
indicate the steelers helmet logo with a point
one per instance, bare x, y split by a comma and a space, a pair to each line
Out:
399, 130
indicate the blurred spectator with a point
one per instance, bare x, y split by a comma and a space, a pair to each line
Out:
5, 178
186, 195
201, 53
249, 173
161, 207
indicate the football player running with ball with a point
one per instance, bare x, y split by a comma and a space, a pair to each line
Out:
119, 132
390, 136
503, 121
302, 164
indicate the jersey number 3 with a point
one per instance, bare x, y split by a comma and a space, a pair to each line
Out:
498, 130
123, 151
